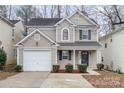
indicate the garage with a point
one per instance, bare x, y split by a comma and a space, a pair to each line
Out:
37, 60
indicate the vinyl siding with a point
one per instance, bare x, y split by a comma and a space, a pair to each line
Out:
113, 54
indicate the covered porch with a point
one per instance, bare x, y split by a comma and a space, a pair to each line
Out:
78, 54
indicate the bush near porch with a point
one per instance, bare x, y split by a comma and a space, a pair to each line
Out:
82, 68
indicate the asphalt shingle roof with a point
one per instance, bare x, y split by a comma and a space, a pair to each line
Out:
43, 21
14, 21
81, 43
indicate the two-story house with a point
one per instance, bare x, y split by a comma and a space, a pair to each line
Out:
10, 34
73, 39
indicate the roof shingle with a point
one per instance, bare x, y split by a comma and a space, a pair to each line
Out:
43, 21
14, 21
81, 43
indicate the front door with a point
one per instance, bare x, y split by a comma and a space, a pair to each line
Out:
84, 57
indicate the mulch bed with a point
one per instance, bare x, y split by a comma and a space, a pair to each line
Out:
106, 79
64, 71
4, 75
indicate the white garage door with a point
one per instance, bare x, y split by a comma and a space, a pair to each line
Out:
37, 60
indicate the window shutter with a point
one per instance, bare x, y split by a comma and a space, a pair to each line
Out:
60, 54
69, 54
80, 34
89, 34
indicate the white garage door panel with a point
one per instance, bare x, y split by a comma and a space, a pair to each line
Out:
37, 60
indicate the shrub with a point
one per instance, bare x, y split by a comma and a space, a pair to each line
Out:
118, 70
56, 68
18, 68
82, 68
69, 68
3, 58
100, 66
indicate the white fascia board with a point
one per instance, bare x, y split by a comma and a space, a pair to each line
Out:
63, 20
36, 30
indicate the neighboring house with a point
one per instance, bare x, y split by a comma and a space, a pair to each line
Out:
8, 38
113, 47
59, 41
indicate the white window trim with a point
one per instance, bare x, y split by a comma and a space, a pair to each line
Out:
87, 34
63, 55
68, 34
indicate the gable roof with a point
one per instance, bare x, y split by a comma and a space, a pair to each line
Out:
6, 21
87, 18
14, 21
36, 30
64, 20
43, 21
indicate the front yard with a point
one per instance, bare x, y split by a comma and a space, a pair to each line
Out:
107, 79
4, 75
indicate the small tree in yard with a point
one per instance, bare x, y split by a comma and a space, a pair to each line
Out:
3, 58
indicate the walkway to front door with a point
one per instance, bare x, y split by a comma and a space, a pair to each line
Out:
59, 80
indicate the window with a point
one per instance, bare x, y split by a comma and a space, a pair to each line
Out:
65, 54
65, 34
13, 33
105, 45
14, 53
84, 34
111, 40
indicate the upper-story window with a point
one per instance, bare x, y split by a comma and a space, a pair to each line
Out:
13, 32
85, 34
65, 34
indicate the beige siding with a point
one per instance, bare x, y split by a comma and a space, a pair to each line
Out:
64, 62
79, 20
65, 24
92, 59
49, 31
30, 42
18, 31
6, 38
113, 54
93, 33
42, 44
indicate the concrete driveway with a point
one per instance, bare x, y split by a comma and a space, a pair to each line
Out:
25, 80
61, 80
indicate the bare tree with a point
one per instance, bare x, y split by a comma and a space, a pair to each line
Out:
10, 11
26, 12
3, 11
58, 11
67, 10
44, 11
52, 11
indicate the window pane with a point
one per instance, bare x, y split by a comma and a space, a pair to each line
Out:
84, 34
65, 34
65, 54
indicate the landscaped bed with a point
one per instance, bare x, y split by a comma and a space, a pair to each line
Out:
64, 71
4, 75
106, 79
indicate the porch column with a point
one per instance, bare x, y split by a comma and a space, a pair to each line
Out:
74, 59
54, 55
79, 57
